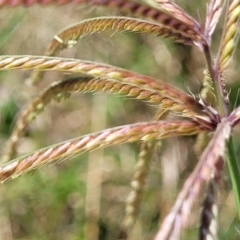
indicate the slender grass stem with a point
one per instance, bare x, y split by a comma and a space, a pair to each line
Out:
234, 173
222, 108
223, 111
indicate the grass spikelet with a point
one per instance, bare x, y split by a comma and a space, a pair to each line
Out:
230, 35
234, 117
208, 223
207, 88
214, 10
69, 36
156, 14
124, 134
179, 13
62, 90
134, 198
106, 71
206, 114
207, 165
15, 3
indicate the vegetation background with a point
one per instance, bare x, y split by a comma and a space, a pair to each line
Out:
84, 198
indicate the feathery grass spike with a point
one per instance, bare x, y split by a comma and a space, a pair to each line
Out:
214, 10
69, 36
207, 88
160, 16
234, 117
99, 70
230, 35
179, 13
61, 90
208, 223
207, 165
134, 8
141, 10
179, 33
134, 198
132, 206
108, 137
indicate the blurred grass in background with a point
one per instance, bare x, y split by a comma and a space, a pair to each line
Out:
84, 198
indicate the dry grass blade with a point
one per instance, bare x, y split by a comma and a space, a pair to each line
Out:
69, 36
124, 134
179, 215
214, 11
63, 89
230, 35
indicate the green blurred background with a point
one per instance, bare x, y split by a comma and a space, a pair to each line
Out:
83, 198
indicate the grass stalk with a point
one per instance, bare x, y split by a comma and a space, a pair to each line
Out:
216, 85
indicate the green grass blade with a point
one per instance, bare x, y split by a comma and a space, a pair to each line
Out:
234, 173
